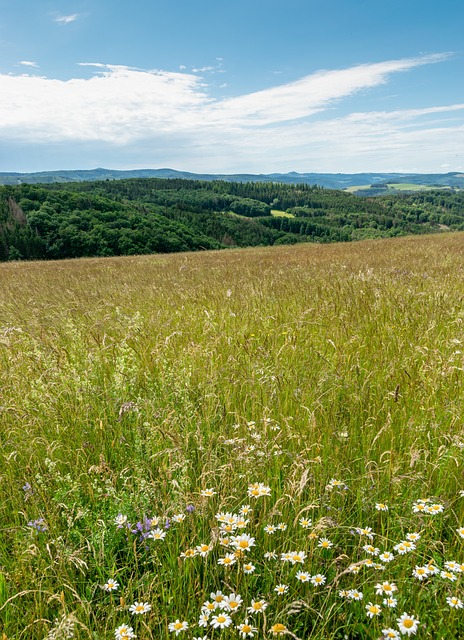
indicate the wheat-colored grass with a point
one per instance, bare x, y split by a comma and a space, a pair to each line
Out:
128, 386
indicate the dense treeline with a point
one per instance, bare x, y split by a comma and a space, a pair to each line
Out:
125, 217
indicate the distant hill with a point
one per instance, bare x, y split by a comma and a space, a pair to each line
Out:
163, 215
327, 180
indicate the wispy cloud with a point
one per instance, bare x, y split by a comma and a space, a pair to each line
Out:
28, 63
166, 117
67, 19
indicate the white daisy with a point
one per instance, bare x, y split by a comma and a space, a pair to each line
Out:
407, 624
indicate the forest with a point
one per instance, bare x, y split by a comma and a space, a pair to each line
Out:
155, 215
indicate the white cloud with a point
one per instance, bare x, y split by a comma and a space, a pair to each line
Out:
66, 19
28, 63
170, 118
311, 94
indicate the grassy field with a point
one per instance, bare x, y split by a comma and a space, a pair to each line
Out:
225, 445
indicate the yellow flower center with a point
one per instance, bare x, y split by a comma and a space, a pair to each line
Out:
278, 628
243, 544
408, 623
221, 619
178, 625
233, 605
246, 628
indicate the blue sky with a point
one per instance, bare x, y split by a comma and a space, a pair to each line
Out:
255, 86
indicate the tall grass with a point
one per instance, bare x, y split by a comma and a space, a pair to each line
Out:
131, 385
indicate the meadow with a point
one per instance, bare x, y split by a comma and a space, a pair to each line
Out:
248, 443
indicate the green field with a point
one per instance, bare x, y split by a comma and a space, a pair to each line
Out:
283, 425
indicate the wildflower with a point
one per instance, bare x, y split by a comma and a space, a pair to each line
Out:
354, 568
203, 549
373, 610
257, 606
232, 602
228, 560
306, 523
245, 510
189, 553
278, 628
178, 626
203, 619
344, 593
243, 542
419, 507
453, 566
391, 603
386, 556
432, 568
38, 525
381, 506
242, 523
280, 589
390, 633
257, 490
454, 602
208, 607
178, 517
190, 508
139, 608
246, 629
218, 598
270, 555
448, 575
297, 557
354, 594
324, 543
433, 509
413, 536
407, 624
385, 588
282, 526
248, 568
200, 638
207, 493
28, 490
124, 633
373, 551
111, 585
405, 546
318, 580
365, 531
421, 573
303, 576
336, 484
460, 532
270, 529
157, 534
120, 520
220, 621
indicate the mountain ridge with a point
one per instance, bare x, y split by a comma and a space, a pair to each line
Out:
453, 179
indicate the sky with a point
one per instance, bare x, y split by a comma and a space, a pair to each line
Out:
232, 87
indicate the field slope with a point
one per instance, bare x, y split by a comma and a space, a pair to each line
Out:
283, 425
